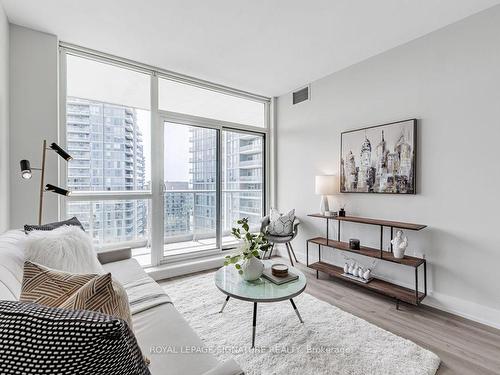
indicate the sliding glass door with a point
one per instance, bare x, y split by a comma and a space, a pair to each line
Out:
190, 188
213, 177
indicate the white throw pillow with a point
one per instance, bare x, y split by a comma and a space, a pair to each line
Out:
67, 249
280, 225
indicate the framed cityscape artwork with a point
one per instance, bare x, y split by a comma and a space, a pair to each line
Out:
379, 159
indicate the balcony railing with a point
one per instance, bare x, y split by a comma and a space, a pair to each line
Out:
251, 148
188, 212
250, 163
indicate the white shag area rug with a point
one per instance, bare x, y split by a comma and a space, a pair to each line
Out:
330, 341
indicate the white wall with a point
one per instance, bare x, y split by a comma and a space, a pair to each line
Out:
33, 117
4, 121
450, 81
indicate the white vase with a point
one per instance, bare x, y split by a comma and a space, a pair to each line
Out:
398, 252
252, 269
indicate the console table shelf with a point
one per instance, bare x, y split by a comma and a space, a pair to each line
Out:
365, 220
400, 293
380, 286
368, 252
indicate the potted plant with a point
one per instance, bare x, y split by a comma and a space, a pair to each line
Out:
246, 259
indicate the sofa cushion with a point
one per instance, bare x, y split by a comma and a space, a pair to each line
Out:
161, 330
51, 226
103, 295
125, 271
36, 339
170, 343
50, 287
66, 248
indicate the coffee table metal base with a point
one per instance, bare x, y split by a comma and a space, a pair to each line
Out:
254, 322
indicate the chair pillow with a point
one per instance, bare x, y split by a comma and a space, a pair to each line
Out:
37, 339
51, 226
67, 249
103, 295
280, 225
50, 287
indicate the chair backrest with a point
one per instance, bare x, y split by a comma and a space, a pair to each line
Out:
265, 222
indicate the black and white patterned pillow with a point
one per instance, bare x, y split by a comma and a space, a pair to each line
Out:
280, 225
35, 339
51, 226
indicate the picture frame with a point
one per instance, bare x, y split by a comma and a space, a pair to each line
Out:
379, 159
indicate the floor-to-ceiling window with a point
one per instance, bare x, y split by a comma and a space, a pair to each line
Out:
108, 135
162, 164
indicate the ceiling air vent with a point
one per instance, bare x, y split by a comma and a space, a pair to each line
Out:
301, 95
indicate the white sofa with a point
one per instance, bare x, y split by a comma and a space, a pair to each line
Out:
162, 327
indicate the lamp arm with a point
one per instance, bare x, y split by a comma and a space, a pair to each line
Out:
42, 177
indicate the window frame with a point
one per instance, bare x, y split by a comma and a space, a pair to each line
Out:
158, 118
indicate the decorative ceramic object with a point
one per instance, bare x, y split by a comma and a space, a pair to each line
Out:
367, 274
346, 268
361, 271
252, 269
399, 245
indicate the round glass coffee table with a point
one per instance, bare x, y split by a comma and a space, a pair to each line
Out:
261, 290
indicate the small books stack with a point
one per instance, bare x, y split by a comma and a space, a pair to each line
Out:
279, 280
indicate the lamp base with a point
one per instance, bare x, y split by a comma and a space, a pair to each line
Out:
324, 207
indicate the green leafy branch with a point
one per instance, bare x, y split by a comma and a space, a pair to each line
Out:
253, 244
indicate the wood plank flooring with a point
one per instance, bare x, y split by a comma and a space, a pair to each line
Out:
464, 346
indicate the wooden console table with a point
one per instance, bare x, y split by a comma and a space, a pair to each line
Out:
412, 296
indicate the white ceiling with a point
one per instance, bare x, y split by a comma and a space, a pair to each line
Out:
267, 47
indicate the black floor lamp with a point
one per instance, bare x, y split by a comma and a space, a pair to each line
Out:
26, 173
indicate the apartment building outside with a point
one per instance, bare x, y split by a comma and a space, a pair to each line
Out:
108, 155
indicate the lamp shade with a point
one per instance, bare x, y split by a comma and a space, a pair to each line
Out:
61, 152
57, 190
25, 169
326, 185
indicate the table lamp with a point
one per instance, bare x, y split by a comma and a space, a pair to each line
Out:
326, 185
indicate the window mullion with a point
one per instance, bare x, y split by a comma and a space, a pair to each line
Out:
157, 179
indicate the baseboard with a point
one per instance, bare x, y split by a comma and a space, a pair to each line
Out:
465, 309
453, 305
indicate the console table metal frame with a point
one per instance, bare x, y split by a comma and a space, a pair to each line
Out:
392, 290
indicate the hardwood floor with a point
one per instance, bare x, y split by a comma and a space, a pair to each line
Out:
464, 346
